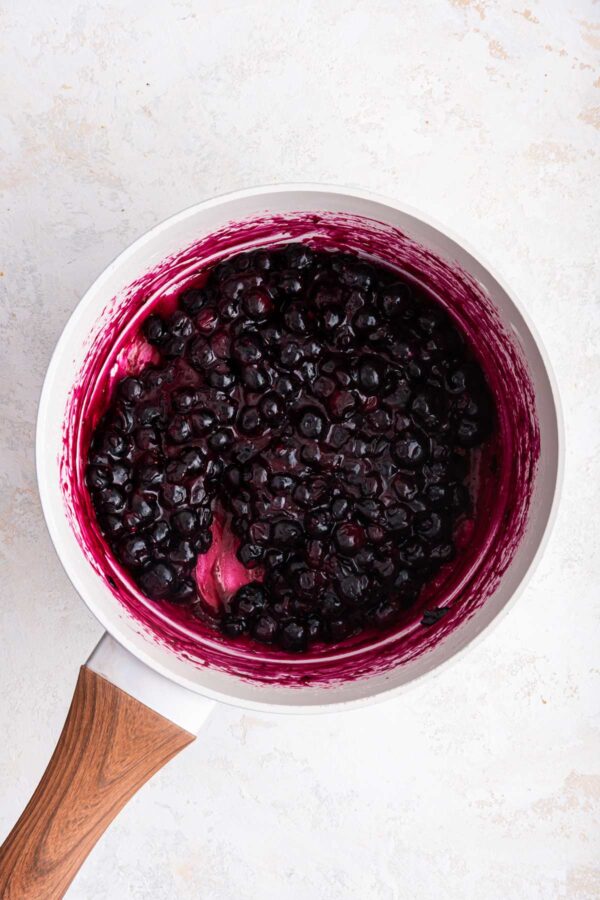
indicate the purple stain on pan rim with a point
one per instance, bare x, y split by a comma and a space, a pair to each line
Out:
506, 470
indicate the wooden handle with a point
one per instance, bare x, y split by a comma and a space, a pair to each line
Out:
109, 747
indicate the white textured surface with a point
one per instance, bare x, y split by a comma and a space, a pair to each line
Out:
483, 783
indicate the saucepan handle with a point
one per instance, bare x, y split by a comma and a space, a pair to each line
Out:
112, 742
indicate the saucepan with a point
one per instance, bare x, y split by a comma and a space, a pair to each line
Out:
150, 683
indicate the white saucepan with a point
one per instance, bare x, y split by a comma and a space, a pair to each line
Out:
142, 696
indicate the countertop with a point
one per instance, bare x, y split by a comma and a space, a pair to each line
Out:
483, 782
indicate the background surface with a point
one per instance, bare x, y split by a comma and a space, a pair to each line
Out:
485, 782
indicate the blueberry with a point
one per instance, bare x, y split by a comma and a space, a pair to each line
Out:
349, 538
173, 495
184, 591
221, 380
257, 304
286, 533
470, 432
144, 508
179, 429
157, 580
174, 347
396, 301
193, 459
397, 518
112, 499
353, 587
271, 407
131, 389
146, 438
366, 320
193, 300
255, 378
282, 482
247, 351
185, 522
295, 318
150, 475
409, 451
207, 320
250, 555
182, 552
294, 636
115, 445
154, 330
249, 421
250, 599
202, 421
201, 354
339, 508
180, 325
265, 629
386, 613
134, 551
184, 400
159, 533
234, 626
311, 424
297, 256
341, 403
220, 440
98, 476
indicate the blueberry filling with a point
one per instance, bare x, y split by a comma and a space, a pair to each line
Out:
328, 412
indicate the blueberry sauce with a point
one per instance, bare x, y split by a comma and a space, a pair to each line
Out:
324, 413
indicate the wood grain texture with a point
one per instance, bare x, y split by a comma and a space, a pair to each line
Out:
109, 747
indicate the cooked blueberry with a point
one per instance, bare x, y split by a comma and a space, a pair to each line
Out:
112, 499
318, 523
115, 445
222, 381
294, 636
201, 354
143, 507
131, 389
249, 599
134, 551
410, 451
146, 438
154, 330
159, 533
150, 475
386, 613
184, 399
234, 626
349, 538
265, 628
173, 495
249, 421
311, 424
193, 300
157, 580
257, 304
353, 586
182, 552
98, 476
271, 407
185, 521
339, 508
179, 429
286, 533
220, 440
202, 421
396, 300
